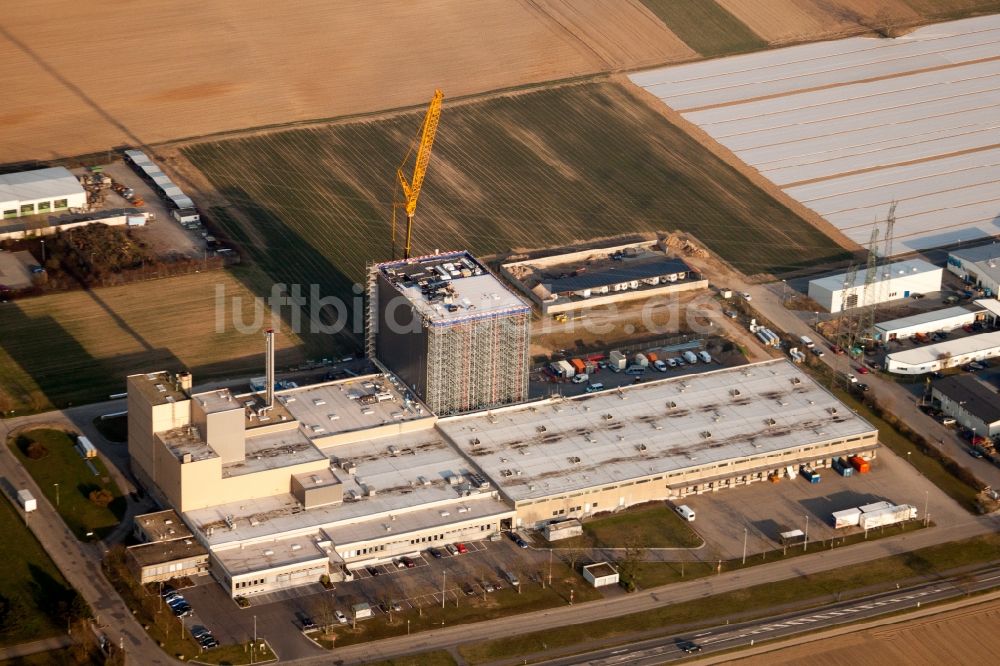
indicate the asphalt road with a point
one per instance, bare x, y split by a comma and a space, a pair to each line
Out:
727, 637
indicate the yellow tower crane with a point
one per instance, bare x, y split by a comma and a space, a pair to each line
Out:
411, 190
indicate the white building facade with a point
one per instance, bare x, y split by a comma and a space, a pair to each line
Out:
899, 280
978, 265
40, 192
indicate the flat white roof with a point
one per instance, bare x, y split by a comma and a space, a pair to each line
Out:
559, 446
268, 555
468, 292
273, 450
991, 304
896, 271
337, 407
985, 257
924, 318
51, 183
958, 347
415, 476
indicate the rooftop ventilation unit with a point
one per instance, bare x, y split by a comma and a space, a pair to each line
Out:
705, 434
575, 460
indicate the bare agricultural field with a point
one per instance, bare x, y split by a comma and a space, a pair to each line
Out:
952, 9
74, 347
786, 21
962, 636
706, 26
537, 169
108, 74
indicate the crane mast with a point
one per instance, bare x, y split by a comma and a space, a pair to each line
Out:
411, 189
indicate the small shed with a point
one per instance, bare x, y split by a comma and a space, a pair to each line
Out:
361, 611
562, 529
600, 574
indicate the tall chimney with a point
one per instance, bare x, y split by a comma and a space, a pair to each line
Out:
269, 366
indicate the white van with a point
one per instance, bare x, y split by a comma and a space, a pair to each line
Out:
690, 357
685, 512
580, 379
807, 341
705, 357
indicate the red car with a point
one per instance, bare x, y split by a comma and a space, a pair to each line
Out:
461, 548
862, 370
836, 350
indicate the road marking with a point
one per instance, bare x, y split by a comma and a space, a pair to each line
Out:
620, 651
808, 619
836, 613
702, 634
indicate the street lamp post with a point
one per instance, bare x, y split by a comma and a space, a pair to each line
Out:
927, 502
908, 455
444, 578
805, 542
43, 254
744, 545
57, 494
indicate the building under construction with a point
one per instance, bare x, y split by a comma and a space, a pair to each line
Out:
451, 330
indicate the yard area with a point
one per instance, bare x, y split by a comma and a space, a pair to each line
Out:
652, 525
74, 347
534, 169
35, 600
66, 480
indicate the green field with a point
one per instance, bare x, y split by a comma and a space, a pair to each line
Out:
34, 596
64, 466
650, 525
536, 169
706, 27
78, 346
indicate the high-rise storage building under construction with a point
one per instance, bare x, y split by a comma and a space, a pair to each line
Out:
451, 330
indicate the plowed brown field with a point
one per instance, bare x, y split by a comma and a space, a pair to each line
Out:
964, 636
145, 71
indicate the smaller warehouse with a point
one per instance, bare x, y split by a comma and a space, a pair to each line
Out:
40, 192
943, 355
169, 549
899, 280
947, 319
600, 574
979, 266
972, 403
588, 278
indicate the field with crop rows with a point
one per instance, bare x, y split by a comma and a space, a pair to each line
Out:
706, 26
523, 171
73, 347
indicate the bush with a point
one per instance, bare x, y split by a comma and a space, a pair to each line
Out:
36, 451
101, 497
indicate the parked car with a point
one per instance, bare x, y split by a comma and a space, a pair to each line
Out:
435, 553
407, 562
836, 349
396, 606
383, 607
305, 621
862, 370
469, 590
747, 297
372, 571
864, 388
341, 618
400, 564
817, 351
487, 585
167, 590
452, 549
975, 453
461, 548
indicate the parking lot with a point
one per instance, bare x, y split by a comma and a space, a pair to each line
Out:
767, 509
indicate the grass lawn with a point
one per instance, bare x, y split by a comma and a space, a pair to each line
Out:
33, 593
78, 346
533, 169
234, 654
706, 27
472, 609
63, 465
84, 656
652, 525
808, 590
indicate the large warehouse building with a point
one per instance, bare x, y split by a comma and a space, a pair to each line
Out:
338, 475
944, 355
666, 439
978, 265
451, 330
40, 192
898, 280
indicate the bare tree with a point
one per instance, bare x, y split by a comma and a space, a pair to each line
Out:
628, 564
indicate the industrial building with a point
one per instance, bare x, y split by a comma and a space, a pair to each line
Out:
972, 403
167, 549
594, 277
978, 265
901, 279
159, 181
40, 192
284, 487
451, 330
943, 355
947, 319
667, 439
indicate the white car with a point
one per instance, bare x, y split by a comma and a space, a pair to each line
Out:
341, 618
746, 296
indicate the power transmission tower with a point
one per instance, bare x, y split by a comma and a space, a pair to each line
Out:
866, 315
